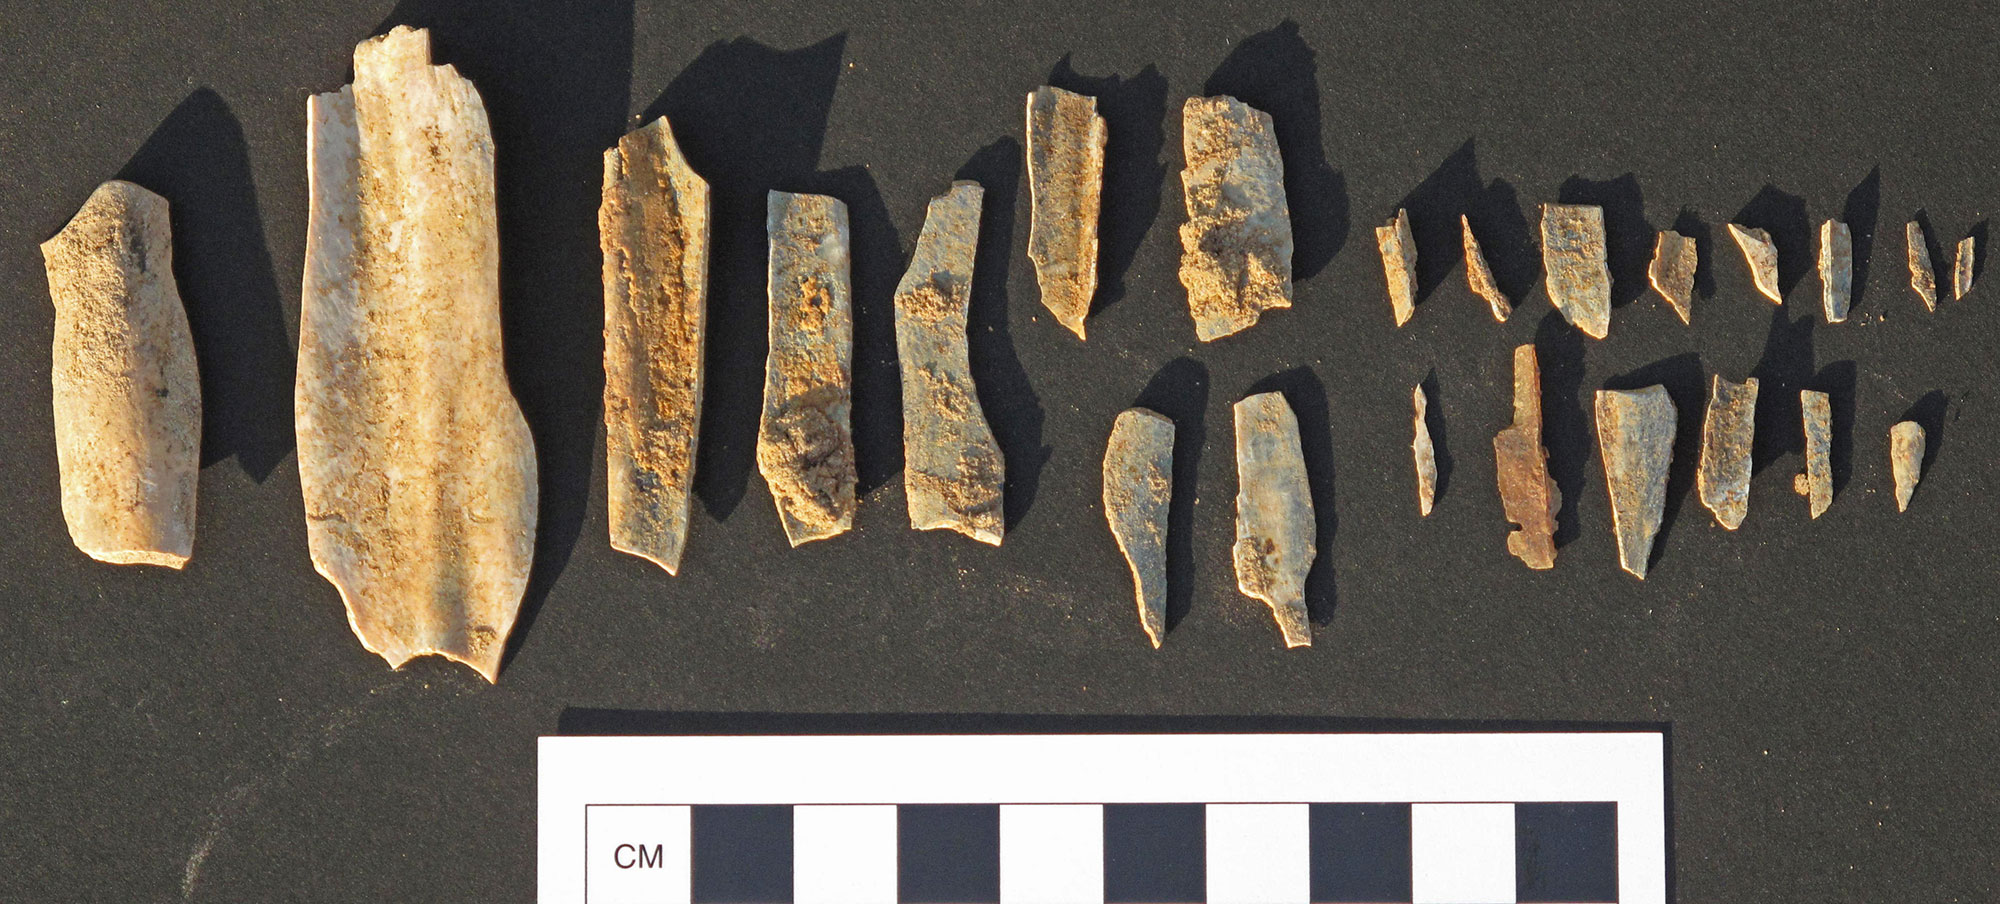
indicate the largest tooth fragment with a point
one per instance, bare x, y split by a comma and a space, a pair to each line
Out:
805, 446
653, 226
1672, 271
417, 467
1906, 460
1065, 185
1762, 256
1527, 493
1726, 437
953, 474
1236, 246
1836, 270
1275, 532
1574, 259
1399, 263
1635, 432
1479, 276
127, 396
1816, 483
1923, 279
1138, 491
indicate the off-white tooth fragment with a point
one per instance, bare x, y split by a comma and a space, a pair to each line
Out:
1065, 184
1138, 492
1527, 493
127, 395
1577, 271
1836, 270
417, 467
805, 445
1923, 279
953, 473
1399, 263
1672, 272
1726, 438
1275, 532
1906, 460
1762, 256
1479, 276
653, 226
1816, 483
1236, 246
1426, 454
1635, 433
1961, 269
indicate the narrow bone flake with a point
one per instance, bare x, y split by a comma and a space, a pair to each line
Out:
1816, 483
1275, 531
805, 444
1923, 279
1399, 263
1906, 460
1961, 268
1577, 271
1836, 270
1726, 437
1675, 257
1236, 246
1527, 493
1762, 256
1426, 454
1138, 492
126, 392
1066, 140
1635, 431
1479, 276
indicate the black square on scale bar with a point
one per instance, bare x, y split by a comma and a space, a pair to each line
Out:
948, 854
742, 854
1155, 853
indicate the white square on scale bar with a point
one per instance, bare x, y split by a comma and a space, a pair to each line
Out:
1462, 853
844, 854
1052, 854
1259, 853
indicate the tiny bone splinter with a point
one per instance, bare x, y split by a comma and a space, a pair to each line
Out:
1726, 437
1426, 454
1816, 482
1762, 256
1906, 460
1527, 493
1399, 264
1672, 272
1275, 531
1635, 432
1065, 186
1479, 276
1138, 492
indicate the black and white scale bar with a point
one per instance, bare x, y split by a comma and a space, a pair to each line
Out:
1415, 819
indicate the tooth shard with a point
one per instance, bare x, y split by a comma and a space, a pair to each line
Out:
1527, 493
1138, 492
805, 446
1906, 460
1762, 256
1236, 246
1479, 276
1399, 264
1923, 279
1577, 272
1635, 432
1426, 454
1726, 438
1961, 268
1672, 272
1816, 483
1836, 270
126, 392
1065, 185
1275, 532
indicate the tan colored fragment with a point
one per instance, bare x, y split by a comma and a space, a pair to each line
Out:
1961, 268
1426, 454
1065, 184
1836, 270
653, 226
1816, 483
805, 444
416, 464
127, 394
1923, 279
1672, 272
1576, 267
1527, 493
1635, 433
1236, 246
1762, 256
1479, 276
1275, 532
1726, 438
1138, 492
953, 473
1906, 460
1399, 263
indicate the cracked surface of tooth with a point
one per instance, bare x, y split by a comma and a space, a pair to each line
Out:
1816, 482
1672, 272
1275, 531
1426, 454
1065, 185
126, 391
418, 470
805, 444
953, 472
1236, 246
1961, 268
1726, 438
1635, 434
1576, 268
1138, 493
1836, 270
1479, 276
1906, 460
1399, 264
1527, 493
1923, 279
1762, 257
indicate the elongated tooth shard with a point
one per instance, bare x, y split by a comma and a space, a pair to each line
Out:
1635, 432
1138, 491
805, 446
1762, 256
1923, 280
654, 227
1527, 493
1726, 437
1961, 269
1672, 272
1479, 276
1574, 259
127, 396
953, 473
1836, 270
417, 467
1426, 454
1906, 460
1275, 532
1399, 263
1236, 246
1816, 484
1066, 184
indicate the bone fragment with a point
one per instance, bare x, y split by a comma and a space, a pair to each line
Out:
805, 446
1574, 260
1479, 276
1762, 256
1426, 454
1065, 183
1961, 268
1138, 491
1635, 432
1726, 437
1836, 270
1906, 460
1923, 279
1275, 531
1672, 272
1236, 246
1816, 483
1399, 263
1527, 493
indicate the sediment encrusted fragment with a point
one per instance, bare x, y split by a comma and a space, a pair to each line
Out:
653, 226
1672, 271
1275, 532
1065, 185
1577, 271
1399, 263
1816, 483
1527, 493
1836, 270
127, 394
1635, 433
1426, 454
1923, 279
953, 473
416, 464
1726, 437
1236, 246
1479, 276
805, 444
1961, 267
1138, 491
1906, 460
1762, 257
